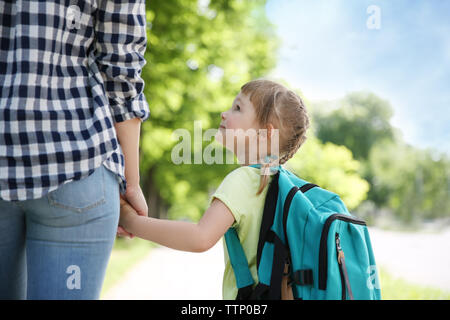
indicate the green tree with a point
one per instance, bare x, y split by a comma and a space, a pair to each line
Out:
331, 167
411, 183
360, 121
416, 182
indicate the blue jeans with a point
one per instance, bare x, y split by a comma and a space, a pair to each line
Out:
58, 246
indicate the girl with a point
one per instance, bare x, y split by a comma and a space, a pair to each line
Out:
261, 106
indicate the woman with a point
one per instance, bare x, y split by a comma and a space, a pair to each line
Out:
71, 107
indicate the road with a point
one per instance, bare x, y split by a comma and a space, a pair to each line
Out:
418, 257
166, 274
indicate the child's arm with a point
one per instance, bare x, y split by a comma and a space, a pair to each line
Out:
181, 235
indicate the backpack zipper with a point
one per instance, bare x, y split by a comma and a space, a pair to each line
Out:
323, 249
345, 281
340, 256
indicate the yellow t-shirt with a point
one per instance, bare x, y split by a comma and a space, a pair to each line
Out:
238, 192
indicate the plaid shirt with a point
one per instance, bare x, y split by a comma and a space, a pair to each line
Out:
69, 69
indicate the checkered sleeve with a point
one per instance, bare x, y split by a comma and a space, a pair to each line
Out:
121, 41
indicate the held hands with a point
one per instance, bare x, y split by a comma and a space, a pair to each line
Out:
126, 212
131, 204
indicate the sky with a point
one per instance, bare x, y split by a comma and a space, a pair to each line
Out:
399, 50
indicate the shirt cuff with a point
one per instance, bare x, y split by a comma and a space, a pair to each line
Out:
129, 109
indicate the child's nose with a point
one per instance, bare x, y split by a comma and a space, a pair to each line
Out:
223, 115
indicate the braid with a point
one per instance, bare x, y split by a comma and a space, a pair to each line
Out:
299, 136
294, 144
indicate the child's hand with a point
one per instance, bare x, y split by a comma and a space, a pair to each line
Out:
126, 213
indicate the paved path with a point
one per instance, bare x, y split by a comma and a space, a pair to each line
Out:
418, 257
169, 274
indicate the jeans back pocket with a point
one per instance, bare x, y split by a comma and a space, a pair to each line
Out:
80, 195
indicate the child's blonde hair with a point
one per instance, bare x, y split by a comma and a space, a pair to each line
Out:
284, 109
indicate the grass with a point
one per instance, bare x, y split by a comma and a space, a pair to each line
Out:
125, 254
394, 288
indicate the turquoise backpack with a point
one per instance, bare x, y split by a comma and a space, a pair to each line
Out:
309, 228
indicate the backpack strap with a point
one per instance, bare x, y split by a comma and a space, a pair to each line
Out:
270, 205
238, 260
279, 259
268, 216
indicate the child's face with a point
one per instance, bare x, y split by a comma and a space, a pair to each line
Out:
241, 115
238, 124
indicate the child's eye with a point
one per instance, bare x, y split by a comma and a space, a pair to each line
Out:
238, 108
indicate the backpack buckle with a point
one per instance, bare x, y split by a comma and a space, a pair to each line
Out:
303, 277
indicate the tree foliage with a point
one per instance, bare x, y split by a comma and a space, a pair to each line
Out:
412, 183
416, 182
361, 121
331, 167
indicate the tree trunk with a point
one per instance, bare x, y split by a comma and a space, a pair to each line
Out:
157, 208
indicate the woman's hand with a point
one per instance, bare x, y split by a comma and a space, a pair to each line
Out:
135, 200
135, 197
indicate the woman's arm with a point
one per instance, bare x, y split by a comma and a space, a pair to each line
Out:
181, 235
128, 133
